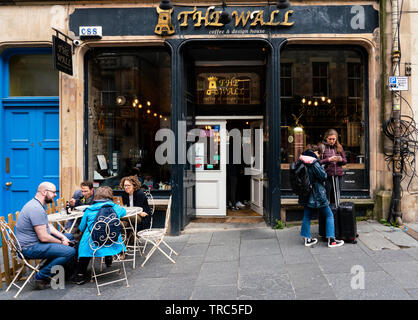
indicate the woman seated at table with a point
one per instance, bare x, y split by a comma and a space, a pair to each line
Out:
103, 196
135, 197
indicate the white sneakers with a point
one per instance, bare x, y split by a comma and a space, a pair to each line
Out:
334, 243
310, 241
239, 204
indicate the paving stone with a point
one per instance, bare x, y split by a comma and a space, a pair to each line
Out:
195, 250
344, 264
203, 237
404, 273
413, 293
259, 247
377, 286
258, 234
226, 238
261, 264
187, 265
269, 286
222, 253
401, 239
211, 292
376, 241
412, 252
390, 256
218, 273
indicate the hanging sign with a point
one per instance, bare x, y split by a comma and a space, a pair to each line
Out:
62, 53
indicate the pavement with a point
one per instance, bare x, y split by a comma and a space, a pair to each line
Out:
254, 262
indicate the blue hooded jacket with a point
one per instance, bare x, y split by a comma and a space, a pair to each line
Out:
84, 249
317, 176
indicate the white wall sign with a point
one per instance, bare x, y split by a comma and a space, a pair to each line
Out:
398, 83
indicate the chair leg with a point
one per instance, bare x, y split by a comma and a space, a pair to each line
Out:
27, 280
95, 277
150, 253
14, 279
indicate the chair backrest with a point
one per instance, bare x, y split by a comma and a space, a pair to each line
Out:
167, 215
105, 232
150, 204
10, 238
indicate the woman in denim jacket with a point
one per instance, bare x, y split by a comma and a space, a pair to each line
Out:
316, 200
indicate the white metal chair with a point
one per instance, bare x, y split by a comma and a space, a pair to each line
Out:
151, 205
102, 236
156, 237
13, 244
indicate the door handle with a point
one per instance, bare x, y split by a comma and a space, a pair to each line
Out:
9, 183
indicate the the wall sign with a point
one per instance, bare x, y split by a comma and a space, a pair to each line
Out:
182, 21
62, 53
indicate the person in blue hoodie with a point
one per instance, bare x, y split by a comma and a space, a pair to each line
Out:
317, 199
103, 196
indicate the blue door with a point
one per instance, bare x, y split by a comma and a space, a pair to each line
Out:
31, 152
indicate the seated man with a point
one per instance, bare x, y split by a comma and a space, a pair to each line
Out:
83, 196
39, 239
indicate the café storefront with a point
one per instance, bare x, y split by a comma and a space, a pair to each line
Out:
152, 76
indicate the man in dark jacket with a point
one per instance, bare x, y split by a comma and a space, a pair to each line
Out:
317, 199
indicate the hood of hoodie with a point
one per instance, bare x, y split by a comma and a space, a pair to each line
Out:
307, 159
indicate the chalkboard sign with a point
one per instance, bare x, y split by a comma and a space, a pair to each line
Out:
62, 53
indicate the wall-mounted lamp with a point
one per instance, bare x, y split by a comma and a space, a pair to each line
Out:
283, 4
166, 5
120, 100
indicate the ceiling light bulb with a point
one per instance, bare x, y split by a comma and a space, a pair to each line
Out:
323, 98
148, 103
329, 100
155, 114
140, 106
303, 100
315, 103
148, 111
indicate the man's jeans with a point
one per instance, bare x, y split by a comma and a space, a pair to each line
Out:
305, 231
55, 253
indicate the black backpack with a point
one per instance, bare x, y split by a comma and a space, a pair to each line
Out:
299, 179
106, 227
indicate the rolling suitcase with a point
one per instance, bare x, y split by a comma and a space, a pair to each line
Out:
334, 209
347, 221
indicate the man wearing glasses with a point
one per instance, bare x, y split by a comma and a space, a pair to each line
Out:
39, 239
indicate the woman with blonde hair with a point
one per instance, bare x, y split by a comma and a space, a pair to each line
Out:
333, 158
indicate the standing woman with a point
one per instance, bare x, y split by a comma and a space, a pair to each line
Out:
333, 157
135, 197
316, 199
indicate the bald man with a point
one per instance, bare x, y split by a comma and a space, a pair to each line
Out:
39, 239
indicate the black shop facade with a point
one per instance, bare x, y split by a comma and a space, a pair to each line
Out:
169, 93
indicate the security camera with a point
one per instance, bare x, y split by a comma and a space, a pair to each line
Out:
77, 42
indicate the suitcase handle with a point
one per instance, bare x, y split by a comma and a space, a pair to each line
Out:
336, 188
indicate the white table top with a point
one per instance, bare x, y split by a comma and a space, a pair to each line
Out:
55, 217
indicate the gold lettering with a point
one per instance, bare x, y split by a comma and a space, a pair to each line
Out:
271, 23
198, 16
286, 18
241, 19
215, 15
186, 15
258, 18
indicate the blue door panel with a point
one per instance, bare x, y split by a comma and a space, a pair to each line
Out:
32, 145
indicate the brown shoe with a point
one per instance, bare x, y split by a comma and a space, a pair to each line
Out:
39, 284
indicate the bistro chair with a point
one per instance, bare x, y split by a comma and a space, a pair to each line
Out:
103, 236
156, 237
151, 205
9, 239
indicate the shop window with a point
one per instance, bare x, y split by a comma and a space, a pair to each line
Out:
330, 94
129, 101
286, 81
32, 75
320, 79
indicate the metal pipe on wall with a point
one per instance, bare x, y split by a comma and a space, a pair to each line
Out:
396, 213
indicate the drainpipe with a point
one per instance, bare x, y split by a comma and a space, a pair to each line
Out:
396, 213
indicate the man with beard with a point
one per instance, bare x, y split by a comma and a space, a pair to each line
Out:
39, 239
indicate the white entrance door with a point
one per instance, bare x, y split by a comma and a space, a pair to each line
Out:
210, 165
256, 167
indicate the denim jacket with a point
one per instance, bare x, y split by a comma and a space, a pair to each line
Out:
317, 175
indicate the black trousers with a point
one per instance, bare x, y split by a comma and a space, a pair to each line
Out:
330, 188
